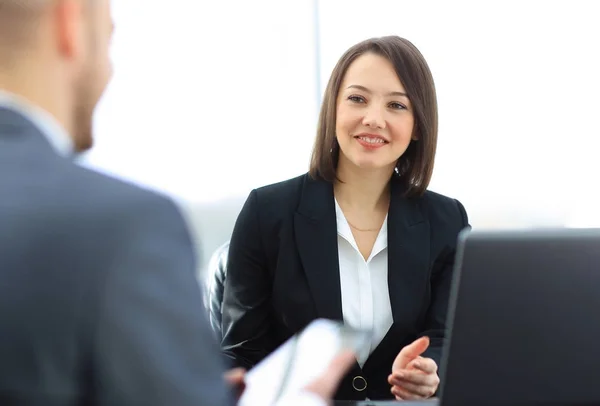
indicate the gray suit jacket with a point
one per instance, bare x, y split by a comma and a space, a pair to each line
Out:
99, 303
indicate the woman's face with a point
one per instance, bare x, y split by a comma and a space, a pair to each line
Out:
375, 120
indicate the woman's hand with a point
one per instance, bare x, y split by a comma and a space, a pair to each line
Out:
414, 377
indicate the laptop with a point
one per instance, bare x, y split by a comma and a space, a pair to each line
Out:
524, 320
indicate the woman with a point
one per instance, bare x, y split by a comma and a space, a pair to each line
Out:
359, 238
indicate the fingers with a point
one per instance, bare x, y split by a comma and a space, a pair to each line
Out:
426, 365
340, 365
425, 385
326, 385
235, 376
414, 378
410, 352
403, 394
418, 383
416, 348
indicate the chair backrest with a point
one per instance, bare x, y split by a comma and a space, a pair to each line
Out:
215, 283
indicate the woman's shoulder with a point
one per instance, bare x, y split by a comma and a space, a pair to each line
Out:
280, 198
282, 189
439, 206
435, 198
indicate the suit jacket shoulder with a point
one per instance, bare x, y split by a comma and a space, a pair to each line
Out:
281, 196
443, 209
119, 199
104, 272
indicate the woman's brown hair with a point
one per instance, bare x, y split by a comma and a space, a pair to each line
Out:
415, 166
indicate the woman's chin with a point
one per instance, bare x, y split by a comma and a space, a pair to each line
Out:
366, 162
374, 166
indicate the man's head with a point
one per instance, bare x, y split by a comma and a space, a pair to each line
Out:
55, 53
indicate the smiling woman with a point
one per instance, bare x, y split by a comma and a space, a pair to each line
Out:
372, 106
359, 238
386, 85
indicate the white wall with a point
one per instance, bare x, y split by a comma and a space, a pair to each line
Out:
209, 99
212, 99
518, 90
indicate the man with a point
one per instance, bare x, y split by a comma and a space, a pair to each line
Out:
98, 299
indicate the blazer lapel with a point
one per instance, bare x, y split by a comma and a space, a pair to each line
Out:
315, 227
408, 257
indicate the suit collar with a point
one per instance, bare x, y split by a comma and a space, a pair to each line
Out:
408, 257
17, 111
408, 250
316, 238
406, 211
345, 231
316, 200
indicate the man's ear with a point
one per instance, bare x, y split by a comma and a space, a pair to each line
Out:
69, 17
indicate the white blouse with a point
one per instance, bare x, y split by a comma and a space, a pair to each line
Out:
364, 284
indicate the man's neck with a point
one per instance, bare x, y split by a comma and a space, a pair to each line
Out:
34, 88
24, 98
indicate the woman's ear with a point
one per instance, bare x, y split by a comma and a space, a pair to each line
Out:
415, 135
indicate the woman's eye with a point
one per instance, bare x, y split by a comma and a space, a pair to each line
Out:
356, 99
397, 106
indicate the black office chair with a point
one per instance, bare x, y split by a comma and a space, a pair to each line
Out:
216, 274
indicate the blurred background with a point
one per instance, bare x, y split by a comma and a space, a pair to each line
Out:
211, 99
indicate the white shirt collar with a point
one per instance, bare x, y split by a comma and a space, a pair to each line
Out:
55, 133
344, 231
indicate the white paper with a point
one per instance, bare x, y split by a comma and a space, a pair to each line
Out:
299, 361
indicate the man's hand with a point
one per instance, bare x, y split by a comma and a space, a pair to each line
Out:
413, 376
326, 385
235, 379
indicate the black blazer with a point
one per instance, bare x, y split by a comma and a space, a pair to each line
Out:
283, 273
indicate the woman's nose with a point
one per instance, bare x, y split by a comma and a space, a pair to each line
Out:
374, 118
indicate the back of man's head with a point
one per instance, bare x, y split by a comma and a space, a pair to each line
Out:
19, 26
54, 53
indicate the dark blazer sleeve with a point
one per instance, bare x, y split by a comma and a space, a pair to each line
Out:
441, 281
246, 303
152, 344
